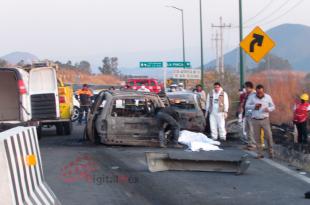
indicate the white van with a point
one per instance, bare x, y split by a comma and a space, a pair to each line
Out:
43, 93
15, 106
31, 98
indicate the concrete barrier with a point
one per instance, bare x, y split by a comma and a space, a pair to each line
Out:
21, 175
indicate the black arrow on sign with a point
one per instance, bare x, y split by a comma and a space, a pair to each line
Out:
258, 39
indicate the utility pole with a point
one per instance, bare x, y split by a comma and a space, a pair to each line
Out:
240, 51
183, 34
221, 26
201, 46
217, 39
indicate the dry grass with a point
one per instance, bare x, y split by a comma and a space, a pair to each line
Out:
75, 76
284, 87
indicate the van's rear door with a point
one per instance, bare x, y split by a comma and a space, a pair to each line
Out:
10, 96
43, 92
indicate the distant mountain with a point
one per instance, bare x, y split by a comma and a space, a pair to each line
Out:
15, 57
292, 43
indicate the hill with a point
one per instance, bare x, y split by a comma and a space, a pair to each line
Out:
16, 57
291, 44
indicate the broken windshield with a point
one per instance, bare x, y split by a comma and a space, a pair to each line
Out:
184, 102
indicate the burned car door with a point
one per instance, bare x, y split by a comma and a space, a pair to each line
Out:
90, 130
132, 122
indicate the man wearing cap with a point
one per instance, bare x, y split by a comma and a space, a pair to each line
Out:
301, 110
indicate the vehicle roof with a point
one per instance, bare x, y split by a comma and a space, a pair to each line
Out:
131, 93
186, 93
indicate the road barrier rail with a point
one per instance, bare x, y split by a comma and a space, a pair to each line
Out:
21, 173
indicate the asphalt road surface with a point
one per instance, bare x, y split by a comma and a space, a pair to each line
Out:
81, 173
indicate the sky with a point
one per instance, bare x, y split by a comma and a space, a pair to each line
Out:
133, 30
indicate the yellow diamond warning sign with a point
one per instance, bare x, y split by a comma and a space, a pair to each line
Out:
257, 44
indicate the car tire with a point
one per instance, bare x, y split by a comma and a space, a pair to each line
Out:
59, 128
75, 114
67, 126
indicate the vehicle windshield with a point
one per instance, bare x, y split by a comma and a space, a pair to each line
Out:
183, 102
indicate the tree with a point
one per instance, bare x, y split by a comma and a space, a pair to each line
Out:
274, 62
114, 65
85, 66
109, 66
3, 63
69, 63
21, 63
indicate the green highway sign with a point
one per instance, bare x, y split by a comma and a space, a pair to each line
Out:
151, 64
178, 64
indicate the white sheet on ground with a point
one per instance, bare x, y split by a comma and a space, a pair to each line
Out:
198, 141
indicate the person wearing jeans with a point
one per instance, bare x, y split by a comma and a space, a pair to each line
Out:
247, 116
85, 96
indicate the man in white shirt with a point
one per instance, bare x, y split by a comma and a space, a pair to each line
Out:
217, 106
144, 89
261, 105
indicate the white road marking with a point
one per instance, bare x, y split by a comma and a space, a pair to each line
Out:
282, 168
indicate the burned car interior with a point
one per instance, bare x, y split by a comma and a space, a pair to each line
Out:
135, 107
124, 118
128, 117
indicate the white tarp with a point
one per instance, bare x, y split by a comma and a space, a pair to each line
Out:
198, 141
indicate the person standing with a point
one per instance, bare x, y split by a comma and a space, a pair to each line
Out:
217, 106
85, 96
247, 115
143, 89
261, 104
301, 110
202, 97
181, 87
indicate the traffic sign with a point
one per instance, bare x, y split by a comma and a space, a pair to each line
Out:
151, 64
187, 74
257, 44
178, 64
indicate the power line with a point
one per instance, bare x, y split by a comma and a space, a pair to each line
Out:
276, 18
259, 12
272, 13
289, 10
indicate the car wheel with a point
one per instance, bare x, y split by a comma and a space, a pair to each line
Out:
75, 114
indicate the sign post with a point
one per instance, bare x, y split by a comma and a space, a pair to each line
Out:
178, 64
187, 74
257, 44
151, 64
156, 65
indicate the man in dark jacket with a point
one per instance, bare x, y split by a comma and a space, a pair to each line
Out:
85, 96
168, 120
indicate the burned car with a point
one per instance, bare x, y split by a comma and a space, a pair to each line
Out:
124, 118
191, 116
